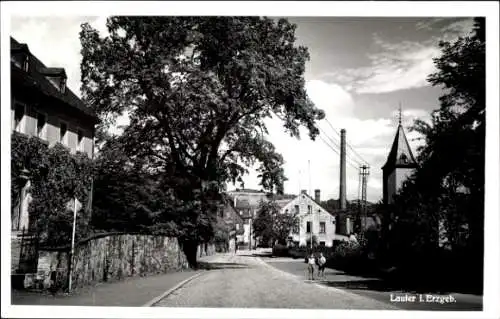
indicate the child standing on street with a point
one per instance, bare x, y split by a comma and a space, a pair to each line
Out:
310, 263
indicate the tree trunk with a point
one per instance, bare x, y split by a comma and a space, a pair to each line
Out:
190, 248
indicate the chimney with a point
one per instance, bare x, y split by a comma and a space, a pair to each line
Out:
317, 195
303, 191
342, 170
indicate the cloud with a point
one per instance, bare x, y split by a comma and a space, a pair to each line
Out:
428, 24
401, 65
370, 138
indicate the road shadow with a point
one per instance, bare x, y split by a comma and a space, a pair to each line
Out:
382, 286
260, 255
216, 266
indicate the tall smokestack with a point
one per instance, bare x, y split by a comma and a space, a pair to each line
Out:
342, 170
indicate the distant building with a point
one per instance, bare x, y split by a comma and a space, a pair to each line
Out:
246, 203
314, 220
399, 166
233, 221
42, 107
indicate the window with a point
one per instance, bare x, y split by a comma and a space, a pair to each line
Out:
63, 129
62, 85
296, 209
18, 117
21, 61
40, 125
322, 244
26, 64
309, 209
296, 228
404, 158
308, 227
322, 227
79, 142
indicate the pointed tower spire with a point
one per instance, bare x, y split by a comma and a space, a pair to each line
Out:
400, 154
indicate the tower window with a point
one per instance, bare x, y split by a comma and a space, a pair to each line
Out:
404, 158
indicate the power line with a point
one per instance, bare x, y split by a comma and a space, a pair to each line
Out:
347, 142
338, 147
336, 151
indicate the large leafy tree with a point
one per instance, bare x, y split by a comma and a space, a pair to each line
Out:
273, 225
128, 198
198, 90
448, 186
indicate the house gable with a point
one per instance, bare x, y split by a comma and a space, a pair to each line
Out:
307, 200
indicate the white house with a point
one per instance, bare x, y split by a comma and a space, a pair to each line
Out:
314, 220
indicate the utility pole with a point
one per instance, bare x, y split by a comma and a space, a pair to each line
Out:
358, 216
312, 217
365, 171
72, 257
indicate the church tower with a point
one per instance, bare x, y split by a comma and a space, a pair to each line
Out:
399, 166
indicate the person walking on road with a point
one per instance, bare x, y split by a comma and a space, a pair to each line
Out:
321, 265
310, 265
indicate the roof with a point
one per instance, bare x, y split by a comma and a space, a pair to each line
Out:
246, 190
400, 154
53, 71
312, 199
36, 78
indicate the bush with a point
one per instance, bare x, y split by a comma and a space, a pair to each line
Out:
346, 256
280, 251
298, 252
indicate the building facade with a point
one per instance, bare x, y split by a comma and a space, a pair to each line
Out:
246, 202
43, 107
232, 221
314, 220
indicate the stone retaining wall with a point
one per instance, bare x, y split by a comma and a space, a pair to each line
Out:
113, 258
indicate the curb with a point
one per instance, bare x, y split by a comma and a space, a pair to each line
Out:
171, 290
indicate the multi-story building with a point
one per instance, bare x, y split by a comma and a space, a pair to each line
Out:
314, 220
43, 107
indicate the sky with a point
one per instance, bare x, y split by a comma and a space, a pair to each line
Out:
360, 71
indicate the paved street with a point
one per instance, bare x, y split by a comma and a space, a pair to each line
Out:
373, 288
244, 281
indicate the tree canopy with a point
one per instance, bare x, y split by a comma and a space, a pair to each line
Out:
272, 225
446, 193
197, 90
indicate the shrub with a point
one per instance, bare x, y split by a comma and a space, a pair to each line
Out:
280, 251
346, 255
